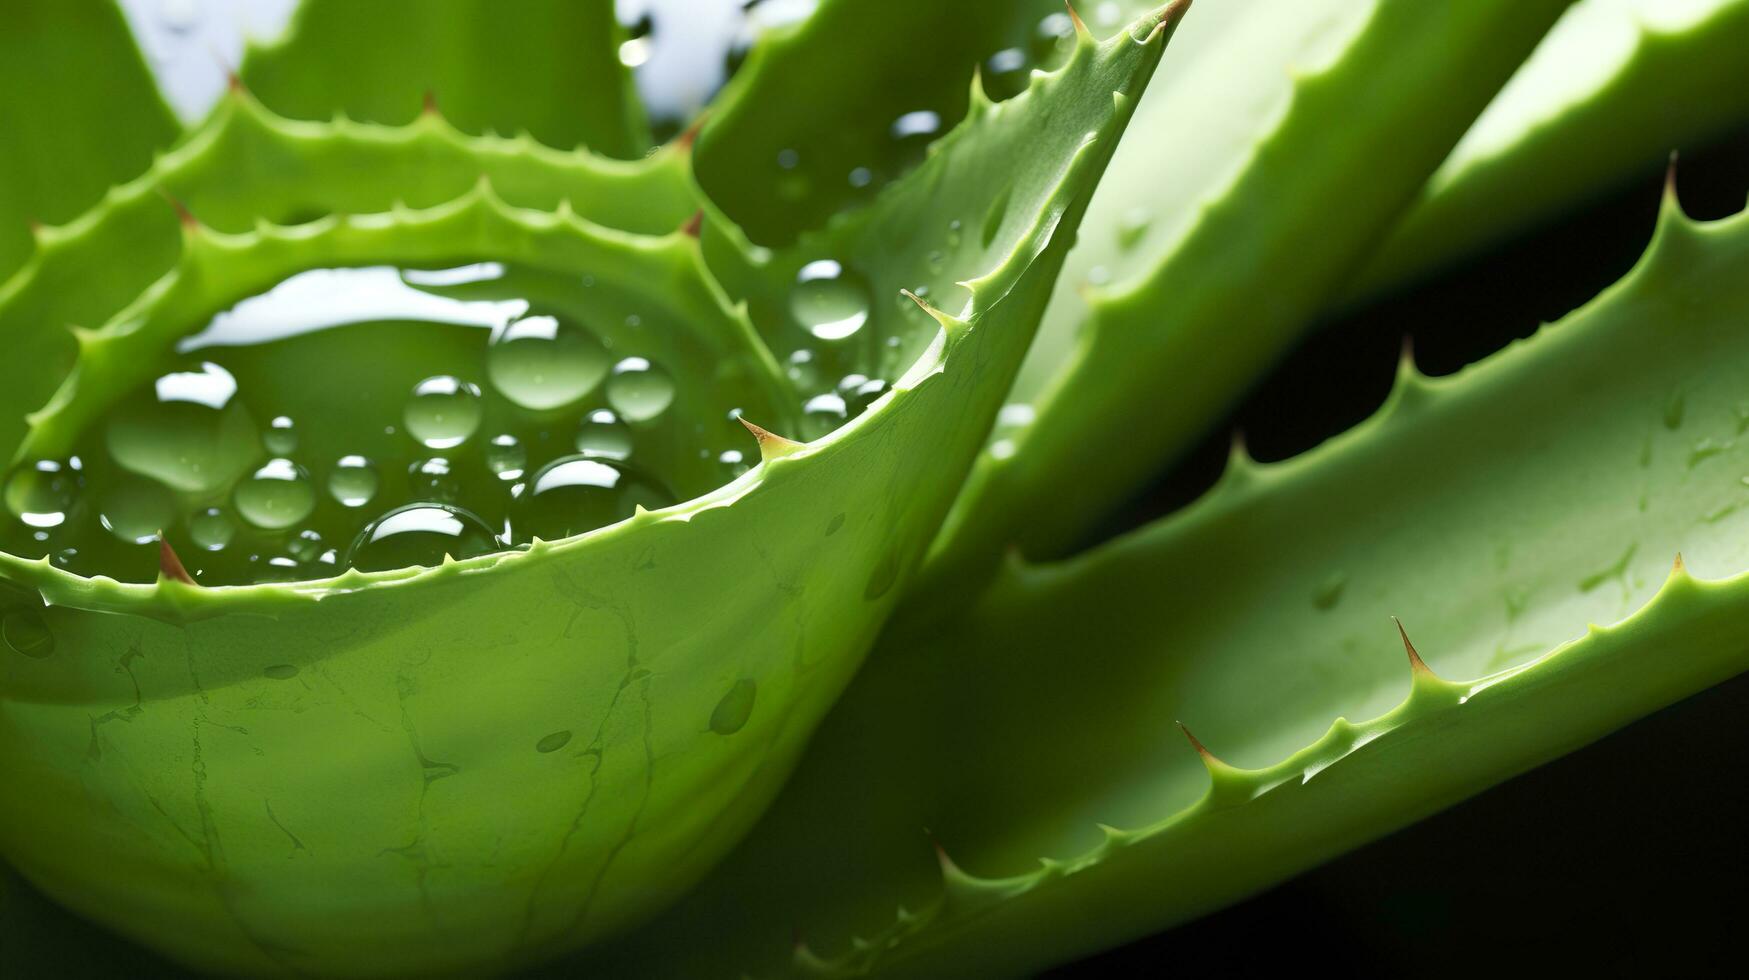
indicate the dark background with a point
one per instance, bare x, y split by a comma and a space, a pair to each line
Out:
1625, 859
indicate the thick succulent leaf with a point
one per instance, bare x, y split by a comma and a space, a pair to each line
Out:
92, 116
1498, 512
1613, 88
1217, 299
778, 157
550, 68
247, 165
275, 739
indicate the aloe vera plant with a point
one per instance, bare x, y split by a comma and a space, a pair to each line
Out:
429, 550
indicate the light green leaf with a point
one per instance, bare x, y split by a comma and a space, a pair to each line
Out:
1323, 158
550, 68
91, 118
1498, 512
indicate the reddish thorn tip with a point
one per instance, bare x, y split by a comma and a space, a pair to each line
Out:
234, 83
169, 565
1196, 743
689, 135
693, 224
182, 213
1080, 25
1678, 566
430, 105
1416, 664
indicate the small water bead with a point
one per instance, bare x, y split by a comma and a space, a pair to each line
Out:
542, 362
189, 432
1055, 33
639, 390
575, 494
1005, 73
919, 124
420, 534
444, 412
281, 437
353, 481
430, 479
506, 457
212, 529
734, 462
27, 633
828, 301
1132, 226
276, 496
603, 434
135, 510
858, 399
306, 546
822, 414
802, 370
41, 493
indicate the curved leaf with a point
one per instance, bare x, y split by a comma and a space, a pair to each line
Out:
1498, 512
549, 68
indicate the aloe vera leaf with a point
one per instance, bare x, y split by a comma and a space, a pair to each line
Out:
247, 164
1498, 512
355, 725
1610, 92
550, 68
843, 120
1217, 300
92, 118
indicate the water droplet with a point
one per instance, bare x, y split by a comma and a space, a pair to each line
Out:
575, 494
553, 742
280, 672
430, 479
734, 462
639, 390
212, 529
420, 534
1056, 33
443, 413
822, 414
306, 546
189, 431
603, 434
27, 633
828, 301
134, 509
993, 218
858, 399
353, 481
1005, 73
860, 177
917, 125
506, 457
542, 362
281, 437
802, 370
276, 496
41, 493
788, 159
179, 16
732, 712
834, 524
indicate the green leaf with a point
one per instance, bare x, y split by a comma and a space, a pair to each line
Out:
550, 68
246, 165
1323, 159
844, 119
1611, 92
81, 113
1498, 512
522, 752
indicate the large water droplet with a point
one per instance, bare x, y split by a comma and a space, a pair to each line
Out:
574, 494
135, 510
27, 633
639, 390
212, 529
353, 481
506, 457
542, 362
41, 493
828, 301
444, 412
553, 742
189, 432
276, 496
603, 434
732, 712
420, 534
